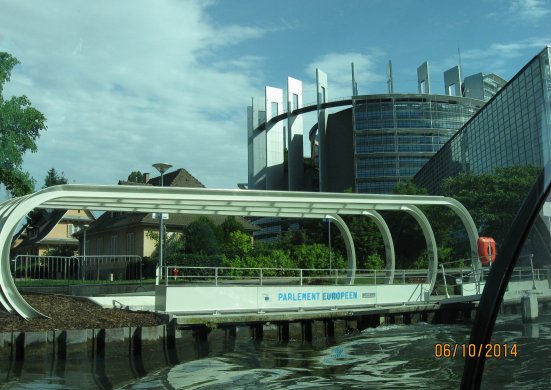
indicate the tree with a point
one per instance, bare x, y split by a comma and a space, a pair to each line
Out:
136, 177
202, 237
229, 226
492, 198
238, 244
316, 256
408, 236
20, 126
53, 178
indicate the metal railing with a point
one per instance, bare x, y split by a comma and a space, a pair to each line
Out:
461, 274
107, 268
285, 276
448, 276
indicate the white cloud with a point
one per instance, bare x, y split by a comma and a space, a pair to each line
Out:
530, 10
505, 50
496, 58
125, 86
337, 66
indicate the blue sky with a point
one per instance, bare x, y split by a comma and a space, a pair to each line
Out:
128, 83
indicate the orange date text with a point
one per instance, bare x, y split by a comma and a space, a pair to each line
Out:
459, 350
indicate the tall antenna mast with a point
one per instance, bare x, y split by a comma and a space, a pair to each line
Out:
354, 83
459, 58
389, 78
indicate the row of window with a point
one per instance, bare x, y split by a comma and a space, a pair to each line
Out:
114, 247
454, 123
430, 107
408, 114
398, 161
397, 148
402, 139
392, 172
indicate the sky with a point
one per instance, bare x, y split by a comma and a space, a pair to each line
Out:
125, 84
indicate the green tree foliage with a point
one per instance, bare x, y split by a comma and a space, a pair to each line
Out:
202, 237
136, 177
374, 261
368, 240
229, 226
316, 256
239, 244
64, 251
409, 188
492, 198
53, 178
20, 126
409, 239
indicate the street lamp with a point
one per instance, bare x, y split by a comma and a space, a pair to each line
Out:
328, 220
162, 168
84, 228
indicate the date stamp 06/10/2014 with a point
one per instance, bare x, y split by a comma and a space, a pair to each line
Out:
459, 350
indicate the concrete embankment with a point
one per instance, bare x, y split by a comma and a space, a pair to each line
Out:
300, 325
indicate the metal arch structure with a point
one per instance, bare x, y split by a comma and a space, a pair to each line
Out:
429, 238
349, 244
390, 263
209, 201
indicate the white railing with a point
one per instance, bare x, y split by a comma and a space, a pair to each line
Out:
460, 273
105, 268
448, 276
285, 276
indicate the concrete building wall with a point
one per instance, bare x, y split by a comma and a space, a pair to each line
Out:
256, 144
275, 179
322, 97
295, 129
474, 86
340, 156
423, 82
452, 81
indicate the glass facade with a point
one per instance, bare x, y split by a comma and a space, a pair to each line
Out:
395, 135
505, 133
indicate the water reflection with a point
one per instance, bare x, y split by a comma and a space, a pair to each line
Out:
384, 357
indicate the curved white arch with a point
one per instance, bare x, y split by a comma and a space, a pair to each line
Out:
390, 263
198, 201
432, 251
349, 244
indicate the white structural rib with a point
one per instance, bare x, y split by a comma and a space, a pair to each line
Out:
224, 202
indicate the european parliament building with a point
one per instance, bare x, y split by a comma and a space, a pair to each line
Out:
370, 145
507, 131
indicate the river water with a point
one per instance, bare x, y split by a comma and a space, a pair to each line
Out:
392, 356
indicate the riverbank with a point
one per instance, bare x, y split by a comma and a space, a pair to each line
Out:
67, 313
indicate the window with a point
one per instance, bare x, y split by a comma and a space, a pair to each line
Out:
295, 102
99, 246
114, 245
130, 244
274, 109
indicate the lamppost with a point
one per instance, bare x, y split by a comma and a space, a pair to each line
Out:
329, 238
328, 220
162, 168
84, 228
